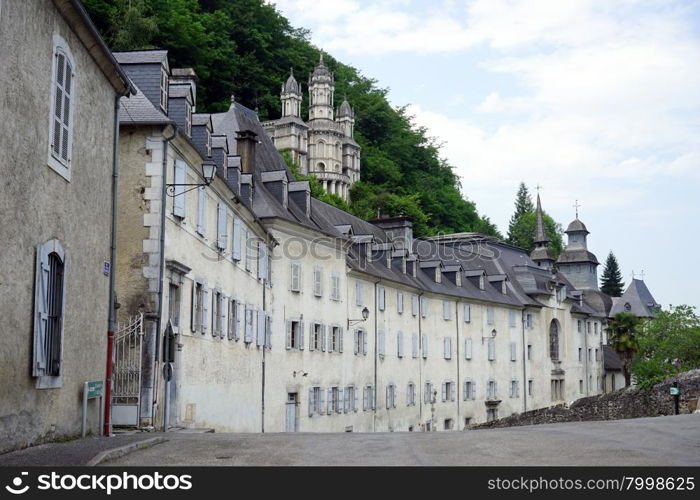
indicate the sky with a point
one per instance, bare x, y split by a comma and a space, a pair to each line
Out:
595, 101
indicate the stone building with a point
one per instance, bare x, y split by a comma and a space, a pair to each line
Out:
323, 146
60, 86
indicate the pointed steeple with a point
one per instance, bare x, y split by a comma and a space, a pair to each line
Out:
540, 255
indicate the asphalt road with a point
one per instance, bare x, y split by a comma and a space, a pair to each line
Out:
657, 441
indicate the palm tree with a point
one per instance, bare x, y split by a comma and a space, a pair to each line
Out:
622, 335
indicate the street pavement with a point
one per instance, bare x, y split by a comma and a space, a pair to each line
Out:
673, 440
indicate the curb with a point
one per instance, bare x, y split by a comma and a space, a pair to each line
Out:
124, 450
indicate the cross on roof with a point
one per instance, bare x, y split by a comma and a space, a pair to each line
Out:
538, 187
576, 206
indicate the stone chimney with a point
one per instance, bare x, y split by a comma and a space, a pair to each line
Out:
246, 141
300, 194
247, 188
188, 76
233, 173
398, 229
276, 184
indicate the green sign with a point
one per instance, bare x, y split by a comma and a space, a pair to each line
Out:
94, 389
675, 391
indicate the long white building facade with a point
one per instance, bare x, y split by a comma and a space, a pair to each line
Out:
291, 315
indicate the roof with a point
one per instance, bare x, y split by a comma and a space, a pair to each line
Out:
611, 360
540, 235
345, 109
139, 110
321, 71
291, 86
577, 256
637, 300
576, 226
142, 57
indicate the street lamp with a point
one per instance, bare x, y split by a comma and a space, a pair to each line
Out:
207, 175
365, 315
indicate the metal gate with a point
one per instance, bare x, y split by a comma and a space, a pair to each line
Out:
128, 340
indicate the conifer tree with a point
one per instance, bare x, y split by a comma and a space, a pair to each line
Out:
523, 205
611, 280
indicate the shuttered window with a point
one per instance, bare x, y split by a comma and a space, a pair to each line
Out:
318, 281
424, 345
63, 109
201, 211
491, 349
263, 262
513, 351
467, 348
414, 346
359, 293
399, 344
261, 329
335, 286
447, 344
49, 292
467, 313
424, 307
179, 198
399, 302
381, 347
236, 244
489, 315
512, 319
249, 324
381, 291
414, 305
295, 280
221, 226
446, 310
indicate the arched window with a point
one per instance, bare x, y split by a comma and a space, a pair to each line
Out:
321, 167
321, 149
554, 340
62, 108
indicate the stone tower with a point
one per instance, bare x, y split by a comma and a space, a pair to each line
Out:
323, 146
576, 262
540, 254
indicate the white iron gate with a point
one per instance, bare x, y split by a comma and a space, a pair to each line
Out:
128, 340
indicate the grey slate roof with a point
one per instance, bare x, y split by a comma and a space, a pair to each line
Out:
138, 110
611, 360
577, 256
142, 57
576, 226
637, 300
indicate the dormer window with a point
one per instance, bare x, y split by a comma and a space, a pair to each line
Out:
164, 89
62, 109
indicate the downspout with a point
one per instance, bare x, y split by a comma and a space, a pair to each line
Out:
161, 271
264, 349
376, 355
523, 316
458, 382
585, 354
420, 359
112, 320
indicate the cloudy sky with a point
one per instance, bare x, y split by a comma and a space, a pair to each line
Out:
596, 101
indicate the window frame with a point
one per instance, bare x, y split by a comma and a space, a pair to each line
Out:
54, 161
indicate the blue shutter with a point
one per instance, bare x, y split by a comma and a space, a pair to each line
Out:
236, 251
201, 211
221, 225
179, 197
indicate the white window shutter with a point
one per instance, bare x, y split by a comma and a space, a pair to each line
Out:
491, 349
513, 351
473, 395
414, 346
382, 298
41, 310
341, 401
236, 246
467, 313
301, 335
444, 391
453, 390
289, 335
201, 210
205, 309
340, 339
261, 329
467, 348
221, 224
465, 392
240, 320
357, 341
381, 343
223, 311
445, 310
193, 308
318, 281
179, 197
322, 404
359, 299
399, 344
414, 305
262, 261
374, 397
425, 346
311, 402
329, 408
489, 315
323, 338
312, 340
424, 307
364, 343
399, 302
365, 398
248, 324
355, 404
296, 277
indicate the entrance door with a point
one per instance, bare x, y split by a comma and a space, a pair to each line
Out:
292, 407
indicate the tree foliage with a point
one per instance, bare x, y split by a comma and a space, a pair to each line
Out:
523, 223
246, 47
623, 336
611, 280
668, 344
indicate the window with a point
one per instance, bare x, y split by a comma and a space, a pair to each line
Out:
399, 302
197, 306
295, 337
491, 392
590, 354
448, 391
381, 343
588, 326
179, 198
529, 352
447, 347
318, 281
528, 321
188, 120
201, 211
414, 346
381, 298
595, 328
578, 325
215, 315
263, 329
428, 393
446, 310
369, 398
529, 387
359, 293
335, 287
62, 109
360, 342
467, 313
390, 396
489, 315
580, 386
350, 399
234, 332
399, 344
250, 244
467, 348
174, 305
414, 305
554, 340
316, 401
263, 262
236, 243
469, 391
597, 355
449, 424
249, 324
423, 307
580, 354
513, 351
317, 337
491, 346
221, 226
49, 292
424, 342
411, 394
335, 396
164, 90
482, 282
512, 319
514, 389
336, 339
295, 281
557, 389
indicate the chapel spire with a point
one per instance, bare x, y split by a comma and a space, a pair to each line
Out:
540, 254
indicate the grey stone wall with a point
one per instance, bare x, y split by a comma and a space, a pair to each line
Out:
625, 403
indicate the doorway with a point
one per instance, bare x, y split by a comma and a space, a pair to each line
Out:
292, 412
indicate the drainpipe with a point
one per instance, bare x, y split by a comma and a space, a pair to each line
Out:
376, 355
458, 382
107, 424
264, 349
161, 271
523, 317
420, 359
585, 354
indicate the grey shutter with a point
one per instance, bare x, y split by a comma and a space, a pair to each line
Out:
355, 396
193, 308
240, 320
341, 401
312, 340
236, 247
399, 344
513, 351
62, 119
221, 225
399, 302
467, 348
248, 338
205, 309
323, 338
491, 349
356, 341
41, 310
388, 400
365, 398
289, 334
201, 211
382, 343
465, 392
178, 195
223, 311
467, 313
414, 346
364, 343
444, 391
311, 402
261, 329
374, 397
340, 339
382, 298
448, 347
425, 347
301, 335
453, 391
318, 285
262, 260
329, 408
322, 402
424, 307
296, 277
414, 305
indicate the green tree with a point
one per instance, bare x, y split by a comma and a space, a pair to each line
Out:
611, 280
668, 344
523, 223
623, 336
523, 205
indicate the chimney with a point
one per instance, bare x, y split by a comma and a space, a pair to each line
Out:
398, 260
187, 76
247, 188
201, 133
276, 184
233, 173
219, 152
300, 194
398, 229
246, 141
